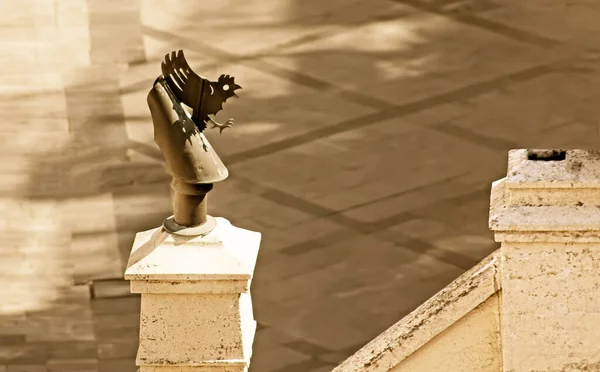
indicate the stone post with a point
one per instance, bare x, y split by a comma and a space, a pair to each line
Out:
194, 272
546, 214
196, 311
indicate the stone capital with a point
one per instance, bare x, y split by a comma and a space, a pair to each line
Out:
548, 200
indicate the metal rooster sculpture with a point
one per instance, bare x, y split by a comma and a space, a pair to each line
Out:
203, 96
189, 157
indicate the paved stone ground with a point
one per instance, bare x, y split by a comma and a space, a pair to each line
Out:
367, 137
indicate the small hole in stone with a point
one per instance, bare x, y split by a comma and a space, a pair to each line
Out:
546, 155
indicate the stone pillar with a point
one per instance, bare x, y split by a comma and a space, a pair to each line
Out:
546, 214
196, 311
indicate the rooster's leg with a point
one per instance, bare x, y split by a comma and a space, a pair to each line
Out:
228, 124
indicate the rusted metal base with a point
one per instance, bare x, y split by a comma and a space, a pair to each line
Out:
189, 207
174, 228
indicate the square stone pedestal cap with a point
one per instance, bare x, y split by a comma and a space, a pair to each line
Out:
221, 262
196, 310
559, 193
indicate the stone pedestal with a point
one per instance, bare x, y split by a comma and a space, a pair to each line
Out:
546, 214
196, 310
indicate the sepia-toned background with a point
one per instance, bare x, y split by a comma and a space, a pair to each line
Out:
367, 136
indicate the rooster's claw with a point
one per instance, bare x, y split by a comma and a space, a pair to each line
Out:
228, 124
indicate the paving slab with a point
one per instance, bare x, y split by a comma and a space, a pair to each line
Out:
569, 23
242, 28
407, 58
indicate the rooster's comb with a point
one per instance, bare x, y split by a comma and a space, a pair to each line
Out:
227, 82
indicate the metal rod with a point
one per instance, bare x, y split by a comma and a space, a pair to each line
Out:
189, 210
189, 203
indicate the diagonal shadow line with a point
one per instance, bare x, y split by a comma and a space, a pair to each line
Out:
416, 245
254, 60
401, 193
257, 64
158, 236
474, 138
392, 113
396, 112
183, 42
145, 149
510, 32
317, 84
277, 48
367, 228
501, 29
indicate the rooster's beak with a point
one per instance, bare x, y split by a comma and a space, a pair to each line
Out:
236, 87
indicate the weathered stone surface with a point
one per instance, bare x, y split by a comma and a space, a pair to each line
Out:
195, 307
430, 329
473, 343
550, 260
